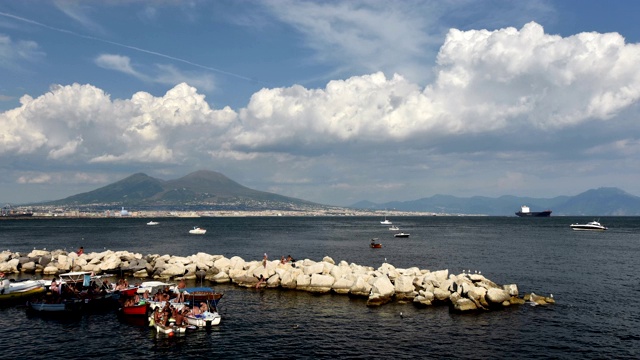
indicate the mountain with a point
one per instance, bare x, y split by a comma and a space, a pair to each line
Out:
596, 202
200, 188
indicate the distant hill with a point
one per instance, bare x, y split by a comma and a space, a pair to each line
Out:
596, 202
198, 188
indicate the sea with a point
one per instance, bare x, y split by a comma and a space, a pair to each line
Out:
593, 277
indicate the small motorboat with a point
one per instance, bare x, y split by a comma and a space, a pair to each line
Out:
199, 294
394, 228
197, 231
590, 226
153, 223
401, 235
206, 319
63, 306
11, 290
385, 221
162, 329
135, 310
375, 244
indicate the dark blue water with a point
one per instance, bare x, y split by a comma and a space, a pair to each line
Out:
592, 275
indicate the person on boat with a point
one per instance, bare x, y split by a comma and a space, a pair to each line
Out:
80, 251
182, 284
54, 287
178, 317
195, 311
156, 315
204, 307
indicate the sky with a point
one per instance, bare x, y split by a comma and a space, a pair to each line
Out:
333, 102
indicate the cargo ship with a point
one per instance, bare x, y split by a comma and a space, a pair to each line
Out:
526, 212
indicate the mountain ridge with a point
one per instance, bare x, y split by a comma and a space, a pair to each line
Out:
202, 187
213, 190
604, 201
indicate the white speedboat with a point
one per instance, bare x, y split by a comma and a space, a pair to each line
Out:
591, 225
205, 319
401, 235
153, 223
197, 231
394, 228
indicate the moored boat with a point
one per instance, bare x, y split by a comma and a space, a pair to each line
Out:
151, 223
394, 228
401, 235
385, 221
139, 309
199, 294
11, 290
63, 306
206, 319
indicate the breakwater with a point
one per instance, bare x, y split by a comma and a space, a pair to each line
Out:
462, 292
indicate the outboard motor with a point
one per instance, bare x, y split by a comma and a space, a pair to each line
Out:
4, 284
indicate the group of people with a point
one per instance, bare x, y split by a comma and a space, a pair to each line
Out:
262, 279
288, 259
164, 315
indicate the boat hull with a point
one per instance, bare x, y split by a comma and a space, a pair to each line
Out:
66, 306
207, 319
135, 310
545, 213
376, 246
20, 295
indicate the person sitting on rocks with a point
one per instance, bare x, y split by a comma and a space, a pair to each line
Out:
261, 281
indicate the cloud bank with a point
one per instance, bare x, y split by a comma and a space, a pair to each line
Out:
501, 105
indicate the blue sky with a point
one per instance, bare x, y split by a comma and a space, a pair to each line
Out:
328, 101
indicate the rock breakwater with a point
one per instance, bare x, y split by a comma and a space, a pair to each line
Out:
462, 292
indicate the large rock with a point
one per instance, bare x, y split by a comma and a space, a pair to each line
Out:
342, 285
464, 305
511, 289
315, 268
497, 296
441, 294
383, 286
360, 287
404, 289
321, 283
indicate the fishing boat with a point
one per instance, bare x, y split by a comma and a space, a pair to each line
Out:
375, 244
385, 221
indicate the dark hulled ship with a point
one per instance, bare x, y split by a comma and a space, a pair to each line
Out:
526, 212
